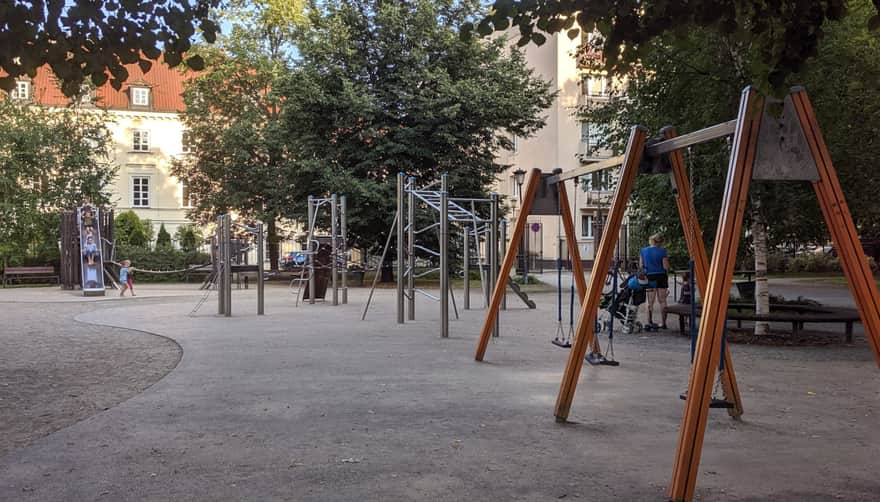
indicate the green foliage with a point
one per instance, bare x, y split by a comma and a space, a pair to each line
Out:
82, 39
130, 230
388, 87
163, 238
695, 81
161, 258
49, 161
189, 237
813, 262
779, 37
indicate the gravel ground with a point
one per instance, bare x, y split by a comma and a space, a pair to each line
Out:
55, 371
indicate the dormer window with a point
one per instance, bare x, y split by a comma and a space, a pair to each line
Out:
86, 97
21, 91
140, 96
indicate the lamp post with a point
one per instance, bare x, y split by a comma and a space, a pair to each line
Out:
519, 176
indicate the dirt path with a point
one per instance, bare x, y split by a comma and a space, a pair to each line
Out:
55, 371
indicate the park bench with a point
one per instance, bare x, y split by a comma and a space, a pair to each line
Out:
797, 315
28, 273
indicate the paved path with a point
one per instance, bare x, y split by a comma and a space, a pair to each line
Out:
311, 404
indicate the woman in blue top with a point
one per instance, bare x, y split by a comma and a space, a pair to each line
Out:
656, 263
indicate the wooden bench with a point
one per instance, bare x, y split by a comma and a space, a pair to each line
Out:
23, 273
797, 315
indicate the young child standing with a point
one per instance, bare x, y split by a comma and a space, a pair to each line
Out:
125, 272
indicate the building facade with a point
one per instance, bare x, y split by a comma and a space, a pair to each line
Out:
145, 123
566, 143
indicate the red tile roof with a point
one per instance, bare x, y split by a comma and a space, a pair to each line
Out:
166, 89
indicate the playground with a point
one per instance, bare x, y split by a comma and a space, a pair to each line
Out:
311, 403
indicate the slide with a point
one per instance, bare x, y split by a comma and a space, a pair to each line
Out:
91, 255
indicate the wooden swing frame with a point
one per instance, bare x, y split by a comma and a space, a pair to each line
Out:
713, 279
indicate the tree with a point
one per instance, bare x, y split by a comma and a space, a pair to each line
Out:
696, 81
163, 238
781, 35
81, 39
50, 160
388, 87
188, 237
130, 230
239, 159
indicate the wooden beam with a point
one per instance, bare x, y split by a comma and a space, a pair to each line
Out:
840, 223
708, 352
693, 235
585, 331
509, 257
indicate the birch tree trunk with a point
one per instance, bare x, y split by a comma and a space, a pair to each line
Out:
762, 290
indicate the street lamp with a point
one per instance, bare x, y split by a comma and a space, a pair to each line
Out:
519, 176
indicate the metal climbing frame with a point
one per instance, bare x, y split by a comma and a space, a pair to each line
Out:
475, 230
223, 238
338, 248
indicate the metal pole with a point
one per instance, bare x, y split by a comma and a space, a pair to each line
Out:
227, 264
400, 243
444, 258
218, 266
310, 253
492, 242
333, 230
260, 270
343, 223
502, 246
465, 266
411, 249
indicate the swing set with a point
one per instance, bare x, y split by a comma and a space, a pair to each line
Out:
765, 146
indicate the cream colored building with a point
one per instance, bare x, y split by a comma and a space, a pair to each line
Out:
144, 119
563, 143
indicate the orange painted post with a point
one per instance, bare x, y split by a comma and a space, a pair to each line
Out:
715, 301
585, 331
693, 235
840, 223
574, 254
509, 257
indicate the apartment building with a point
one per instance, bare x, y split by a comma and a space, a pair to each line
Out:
144, 119
566, 143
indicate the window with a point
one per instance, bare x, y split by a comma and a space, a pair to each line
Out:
21, 91
85, 94
590, 135
140, 96
140, 191
598, 181
514, 147
140, 140
185, 195
595, 85
186, 143
587, 226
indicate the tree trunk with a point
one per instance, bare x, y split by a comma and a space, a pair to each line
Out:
762, 291
272, 244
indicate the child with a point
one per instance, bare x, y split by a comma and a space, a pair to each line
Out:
685, 296
90, 251
125, 273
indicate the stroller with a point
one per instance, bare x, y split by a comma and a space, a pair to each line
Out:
623, 305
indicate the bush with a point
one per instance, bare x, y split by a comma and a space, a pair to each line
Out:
162, 258
188, 237
776, 263
163, 238
813, 262
130, 230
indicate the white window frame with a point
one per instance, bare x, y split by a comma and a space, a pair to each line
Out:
514, 147
587, 219
140, 140
185, 202
21, 91
140, 96
86, 94
588, 85
590, 135
186, 142
135, 200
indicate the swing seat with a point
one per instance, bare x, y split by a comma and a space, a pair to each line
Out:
565, 344
597, 359
715, 403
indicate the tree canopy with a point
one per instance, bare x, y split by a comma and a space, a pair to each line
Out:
50, 160
388, 87
781, 35
87, 39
